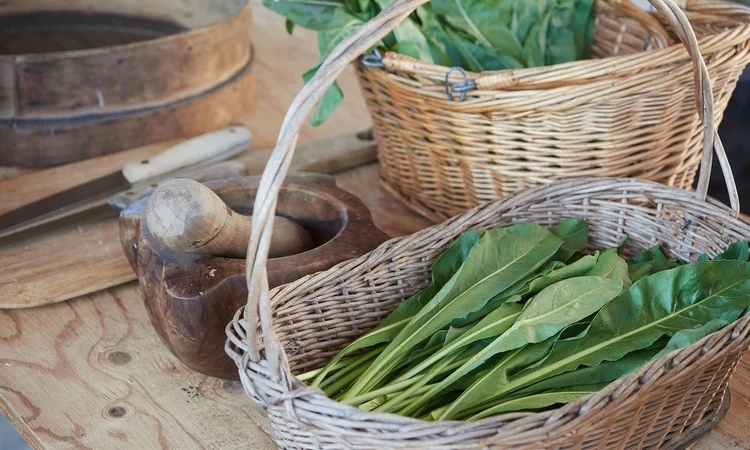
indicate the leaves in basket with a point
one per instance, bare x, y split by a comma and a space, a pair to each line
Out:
477, 35
574, 233
611, 265
484, 20
311, 14
494, 324
519, 319
552, 310
649, 262
663, 303
502, 257
539, 401
687, 337
737, 251
442, 270
605, 372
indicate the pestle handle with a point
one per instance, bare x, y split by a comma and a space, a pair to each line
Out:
186, 216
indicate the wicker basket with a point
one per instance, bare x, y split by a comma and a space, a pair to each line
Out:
624, 113
302, 325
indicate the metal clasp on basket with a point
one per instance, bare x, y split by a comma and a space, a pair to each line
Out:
374, 60
458, 88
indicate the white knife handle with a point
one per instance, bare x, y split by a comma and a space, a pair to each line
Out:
207, 148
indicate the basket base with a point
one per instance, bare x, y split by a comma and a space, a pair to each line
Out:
687, 441
413, 204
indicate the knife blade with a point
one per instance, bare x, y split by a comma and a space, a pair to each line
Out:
91, 199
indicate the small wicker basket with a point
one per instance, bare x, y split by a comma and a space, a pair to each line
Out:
624, 113
302, 325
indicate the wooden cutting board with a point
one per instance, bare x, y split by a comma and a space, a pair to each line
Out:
85, 259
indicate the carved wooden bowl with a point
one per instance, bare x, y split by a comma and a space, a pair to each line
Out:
191, 298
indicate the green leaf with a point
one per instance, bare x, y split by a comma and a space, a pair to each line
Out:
484, 20
311, 14
408, 31
565, 35
511, 362
611, 265
578, 268
330, 101
456, 332
687, 337
574, 233
737, 251
534, 47
514, 293
525, 16
419, 354
558, 306
420, 382
486, 58
606, 372
451, 260
502, 257
494, 324
289, 26
339, 27
408, 48
582, 24
355, 364
539, 401
442, 270
442, 48
661, 304
649, 262
621, 244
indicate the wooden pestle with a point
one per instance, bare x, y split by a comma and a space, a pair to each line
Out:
186, 216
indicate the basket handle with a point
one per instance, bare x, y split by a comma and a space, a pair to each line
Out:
258, 310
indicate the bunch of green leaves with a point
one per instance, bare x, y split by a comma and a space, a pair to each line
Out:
477, 35
519, 319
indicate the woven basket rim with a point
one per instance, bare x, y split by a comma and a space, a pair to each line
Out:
300, 413
576, 409
572, 410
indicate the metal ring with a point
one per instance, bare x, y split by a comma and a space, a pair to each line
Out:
462, 87
373, 60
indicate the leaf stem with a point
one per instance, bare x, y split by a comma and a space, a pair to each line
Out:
366, 397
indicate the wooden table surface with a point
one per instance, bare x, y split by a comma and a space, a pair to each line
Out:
91, 373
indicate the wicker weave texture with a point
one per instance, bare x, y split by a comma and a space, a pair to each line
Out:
302, 325
634, 116
317, 316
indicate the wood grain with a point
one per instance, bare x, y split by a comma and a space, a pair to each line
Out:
7, 86
63, 367
132, 77
66, 106
100, 379
57, 378
44, 270
185, 216
191, 298
42, 143
24, 282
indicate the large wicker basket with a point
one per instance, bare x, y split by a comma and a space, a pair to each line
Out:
627, 112
301, 326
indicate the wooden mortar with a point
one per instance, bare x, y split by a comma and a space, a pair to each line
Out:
80, 79
191, 298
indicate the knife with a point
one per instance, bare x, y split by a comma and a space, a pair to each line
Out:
91, 200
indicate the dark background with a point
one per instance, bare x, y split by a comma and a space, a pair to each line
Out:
735, 134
